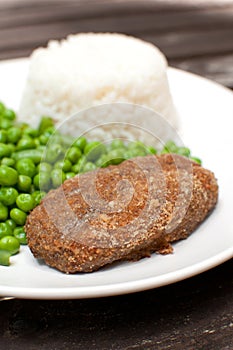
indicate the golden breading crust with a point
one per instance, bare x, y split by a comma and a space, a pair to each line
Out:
122, 212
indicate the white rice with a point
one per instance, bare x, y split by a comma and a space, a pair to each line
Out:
87, 70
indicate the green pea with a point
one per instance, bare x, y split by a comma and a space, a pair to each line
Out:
8, 161
34, 154
65, 165
11, 147
31, 132
184, 151
139, 152
70, 175
54, 152
197, 160
51, 130
9, 114
18, 216
5, 230
45, 123
38, 196
134, 152
89, 167
103, 161
11, 224
73, 154
37, 141
6, 123
41, 148
26, 142
116, 156
165, 151
42, 181
25, 202
151, 150
3, 212
5, 151
43, 139
43, 166
36, 180
80, 143
169, 147
8, 176
8, 195
2, 108
117, 143
94, 150
3, 136
128, 154
10, 243
14, 134
58, 177
136, 144
78, 167
24, 183
26, 167
20, 235
5, 258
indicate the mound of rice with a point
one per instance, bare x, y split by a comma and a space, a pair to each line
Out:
92, 69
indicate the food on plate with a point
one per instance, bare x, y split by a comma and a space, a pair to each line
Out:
29, 168
122, 212
91, 69
129, 199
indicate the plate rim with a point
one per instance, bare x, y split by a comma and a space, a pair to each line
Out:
122, 287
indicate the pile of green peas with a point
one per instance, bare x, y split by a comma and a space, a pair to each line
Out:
35, 160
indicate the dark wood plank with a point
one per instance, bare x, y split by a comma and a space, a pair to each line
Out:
218, 68
193, 43
162, 5
16, 53
190, 42
129, 17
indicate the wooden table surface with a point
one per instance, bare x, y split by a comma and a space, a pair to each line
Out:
194, 314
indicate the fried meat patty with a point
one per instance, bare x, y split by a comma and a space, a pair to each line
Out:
122, 212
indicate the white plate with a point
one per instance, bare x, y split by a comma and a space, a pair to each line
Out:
206, 111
